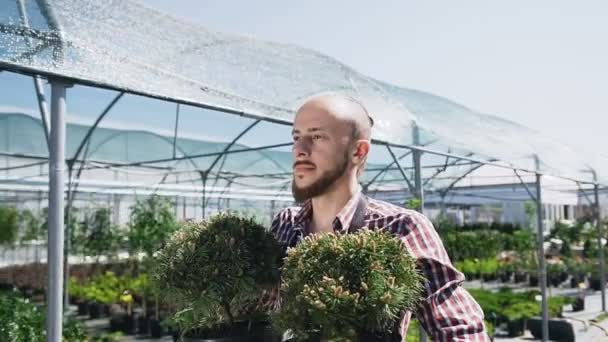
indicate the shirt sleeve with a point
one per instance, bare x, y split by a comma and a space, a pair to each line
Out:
448, 311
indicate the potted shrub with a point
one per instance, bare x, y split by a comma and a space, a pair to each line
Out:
152, 221
517, 314
102, 291
77, 291
215, 272
488, 269
347, 287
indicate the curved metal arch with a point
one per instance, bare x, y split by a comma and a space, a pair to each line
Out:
461, 177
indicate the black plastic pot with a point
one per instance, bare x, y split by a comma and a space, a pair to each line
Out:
143, 325
579, 304
117, 322
83, 308
489, 277
533, 280
559, 330
595, 284
515, 328
554, 281
156, 329
95, 310
240, 331
519, 277
130, 327
505, 277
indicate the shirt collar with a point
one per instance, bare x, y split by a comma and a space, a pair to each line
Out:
343, 218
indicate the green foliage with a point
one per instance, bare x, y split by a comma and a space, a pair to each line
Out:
522, 310
215, 270
413, 203
508, 305
338, 285
488, 266
151, 223
31, 226
519, 241
105, 288
22, 321
9, 226
97, 235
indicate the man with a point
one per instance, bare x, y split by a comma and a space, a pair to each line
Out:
331, 136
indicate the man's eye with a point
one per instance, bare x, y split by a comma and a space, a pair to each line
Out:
316, 137
295, 138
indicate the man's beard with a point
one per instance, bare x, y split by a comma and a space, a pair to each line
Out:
320, 186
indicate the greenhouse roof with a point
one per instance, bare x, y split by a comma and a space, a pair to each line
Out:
125, 46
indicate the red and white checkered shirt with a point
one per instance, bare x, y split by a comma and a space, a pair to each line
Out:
449, 312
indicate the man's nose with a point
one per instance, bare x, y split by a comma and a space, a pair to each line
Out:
301, 147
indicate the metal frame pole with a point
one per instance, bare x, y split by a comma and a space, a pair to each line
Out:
56, 212
418, 189
542, 271
600, 235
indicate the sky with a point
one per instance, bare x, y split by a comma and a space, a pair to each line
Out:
539, 63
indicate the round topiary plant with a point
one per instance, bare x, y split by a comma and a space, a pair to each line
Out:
347, 287
214, 272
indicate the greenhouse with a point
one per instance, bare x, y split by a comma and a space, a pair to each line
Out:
112, 103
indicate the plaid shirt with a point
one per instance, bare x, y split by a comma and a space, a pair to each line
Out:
449, 312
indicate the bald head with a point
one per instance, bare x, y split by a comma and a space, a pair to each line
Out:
343, 108
333, 133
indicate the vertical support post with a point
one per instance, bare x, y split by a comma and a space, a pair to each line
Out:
56, 212
67, 242
417, 156
418, 189
600, 235
175, 131
542, 271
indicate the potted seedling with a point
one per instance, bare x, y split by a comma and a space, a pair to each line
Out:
215, 272
347, 287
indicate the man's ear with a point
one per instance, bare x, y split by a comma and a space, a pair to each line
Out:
361, 150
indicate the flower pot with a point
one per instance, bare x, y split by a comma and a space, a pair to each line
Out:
506, 277
533, 280
156, 329
579, 304
83, 308
559, 330
489, 277
117, 322
554, 281
240, 331
519, 277
515, 328
595, 284
95, 310
130, 326
143, 325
